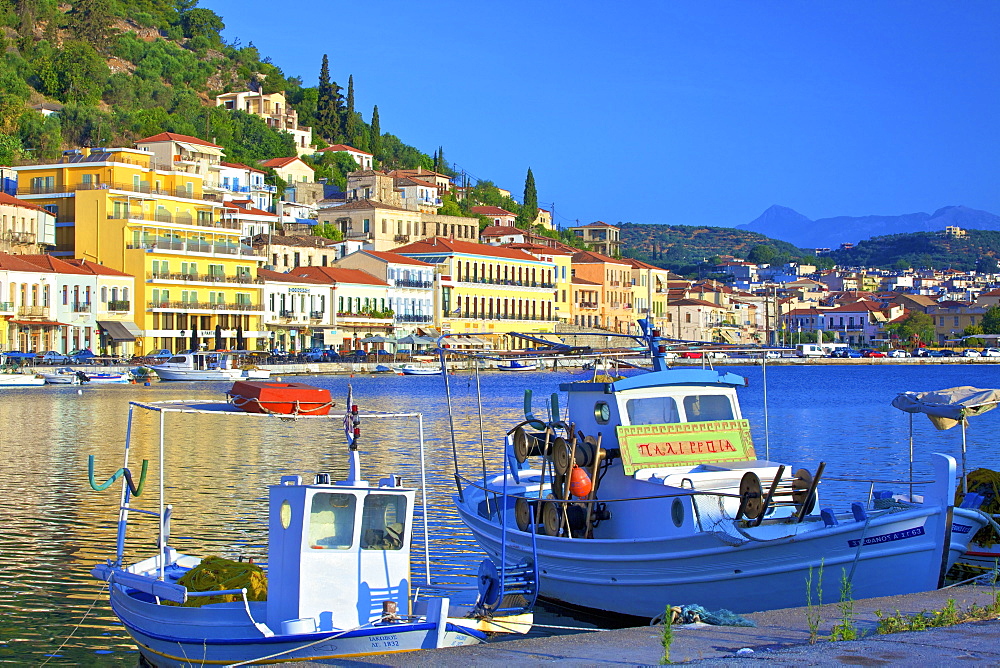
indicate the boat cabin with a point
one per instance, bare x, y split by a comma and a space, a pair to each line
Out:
336, 552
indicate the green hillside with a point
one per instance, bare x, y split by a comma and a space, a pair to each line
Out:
687, 248
129, 69
978, 249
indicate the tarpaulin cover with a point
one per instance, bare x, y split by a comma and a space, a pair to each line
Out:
947, 408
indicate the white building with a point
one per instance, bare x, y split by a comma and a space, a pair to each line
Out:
239, 182
297, 310
25, 227
363, 158
411, 286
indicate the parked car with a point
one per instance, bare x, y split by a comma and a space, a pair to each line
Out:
846, 353
315, 354
991, 352
52, 357
692, 355
970, 352
772, 354
872, 353
160, 355
85, 356
716, 354
898, 353
950, 353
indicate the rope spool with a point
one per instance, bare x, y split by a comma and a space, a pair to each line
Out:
524, 513
562, 457
552, 518
798, 492
527, 445
559, 485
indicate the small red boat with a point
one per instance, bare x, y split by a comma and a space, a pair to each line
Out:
281, 398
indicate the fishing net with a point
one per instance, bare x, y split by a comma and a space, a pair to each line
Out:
986, 483
218, 574
692, 614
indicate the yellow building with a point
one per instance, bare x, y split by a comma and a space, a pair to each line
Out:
488, 289
119, 208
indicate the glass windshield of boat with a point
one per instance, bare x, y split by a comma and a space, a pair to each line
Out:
383, 522
176, 360
331, 521
665, 410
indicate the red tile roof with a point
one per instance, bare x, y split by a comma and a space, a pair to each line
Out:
170, 136
491, 211
52, 263
582, 281
269, 275
17, 263
590, 257
239, 165
500, 231
337, 148
396, 258
338, 275
281, 162
442, 246
9, 199
95, 268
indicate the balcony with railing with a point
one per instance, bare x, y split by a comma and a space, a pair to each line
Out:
10, 236
586, 304
203, 306
408, 283
522, 284
413, 317
143, 187
315, 315
241, 279
401, 238
196, 247
499, 316
119, 305
81, 307
33, 312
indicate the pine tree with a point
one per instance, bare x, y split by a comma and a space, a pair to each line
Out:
90, 20
376, 135
529, 208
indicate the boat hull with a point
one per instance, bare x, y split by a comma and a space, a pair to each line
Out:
420, 372
526, 367
20, 380
224, 634
210, 374
901, 553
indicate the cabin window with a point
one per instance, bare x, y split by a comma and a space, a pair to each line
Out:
707, 407
652, 410
331, 521
285, 514
602, 412
383, 522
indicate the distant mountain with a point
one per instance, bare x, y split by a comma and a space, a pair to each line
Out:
976, 249
783, 223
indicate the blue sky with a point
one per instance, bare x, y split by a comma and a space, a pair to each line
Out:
672, 112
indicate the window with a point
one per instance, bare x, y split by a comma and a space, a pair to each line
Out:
331, 521
652, 410
383, 522
707, 407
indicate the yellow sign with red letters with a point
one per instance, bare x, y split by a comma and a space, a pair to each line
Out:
685, 444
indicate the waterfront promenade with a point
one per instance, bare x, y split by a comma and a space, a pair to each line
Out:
781, 638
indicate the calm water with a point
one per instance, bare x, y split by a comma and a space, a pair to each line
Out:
54, 528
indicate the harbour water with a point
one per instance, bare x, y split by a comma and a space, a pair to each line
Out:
54, 528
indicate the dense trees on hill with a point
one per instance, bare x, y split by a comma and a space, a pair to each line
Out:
125, 70
977, 249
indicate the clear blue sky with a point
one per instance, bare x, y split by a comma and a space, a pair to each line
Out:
672, 112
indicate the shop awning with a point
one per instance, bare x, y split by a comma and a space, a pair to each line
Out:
120, 330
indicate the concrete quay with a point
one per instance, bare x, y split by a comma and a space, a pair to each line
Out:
781, 638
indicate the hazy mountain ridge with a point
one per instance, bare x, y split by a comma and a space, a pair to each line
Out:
784, 223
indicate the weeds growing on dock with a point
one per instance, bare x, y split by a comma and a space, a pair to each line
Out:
667, 634
813, 617
845, 629
949, 615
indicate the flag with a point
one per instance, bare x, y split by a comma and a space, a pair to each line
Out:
348, 418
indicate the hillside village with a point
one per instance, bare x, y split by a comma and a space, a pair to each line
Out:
153, 246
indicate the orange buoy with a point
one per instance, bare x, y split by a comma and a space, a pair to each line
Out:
579, 483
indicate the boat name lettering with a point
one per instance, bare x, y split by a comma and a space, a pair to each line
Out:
960, 528
889, 537
685, 448
382, 638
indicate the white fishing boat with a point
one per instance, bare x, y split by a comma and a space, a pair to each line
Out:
21, 379
414, 370
337, 582
648, 492
515, 365
980, 490
62, 376
208, 365
106, 378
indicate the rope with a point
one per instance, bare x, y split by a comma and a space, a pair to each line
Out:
301, 647
240, 401
78, 624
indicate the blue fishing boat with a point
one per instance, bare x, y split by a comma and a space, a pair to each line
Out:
648, 491
337, 582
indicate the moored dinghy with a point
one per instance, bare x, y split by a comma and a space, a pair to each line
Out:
338, 570
649, 492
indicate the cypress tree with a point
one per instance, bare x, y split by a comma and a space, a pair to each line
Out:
352, 120
324, 102
440, 160
376, 135
529, 209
